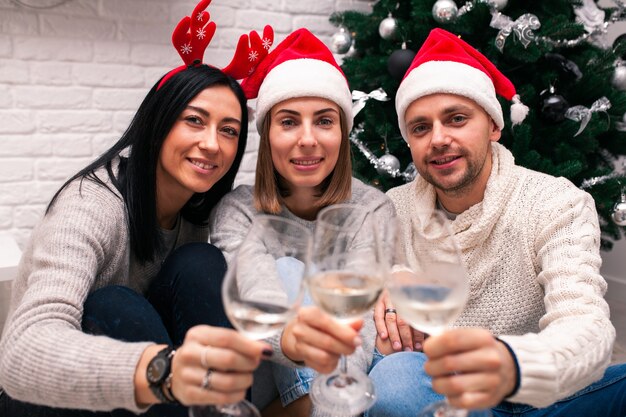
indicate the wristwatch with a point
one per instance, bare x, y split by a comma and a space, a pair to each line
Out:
158, 371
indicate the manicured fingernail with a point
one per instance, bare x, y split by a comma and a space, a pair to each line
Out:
408, 349
383, 335
397, 346
268, 353
357, 341
418, 345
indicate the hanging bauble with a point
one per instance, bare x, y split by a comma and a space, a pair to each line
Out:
400, 61
341, 41
498, 4
352, 52
619, 77
387, 163
553, 106
444, 11
619, 211
388, 28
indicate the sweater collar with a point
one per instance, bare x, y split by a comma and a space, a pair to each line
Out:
474, 225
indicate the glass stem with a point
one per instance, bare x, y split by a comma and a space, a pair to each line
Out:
342, 379
343, 365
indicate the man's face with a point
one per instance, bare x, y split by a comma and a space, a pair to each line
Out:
450, 137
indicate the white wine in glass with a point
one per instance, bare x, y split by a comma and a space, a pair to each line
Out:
348, 276
429, 285
263, 288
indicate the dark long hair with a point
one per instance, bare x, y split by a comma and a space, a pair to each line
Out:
136, 178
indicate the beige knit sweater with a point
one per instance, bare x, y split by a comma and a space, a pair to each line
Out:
532, 251
81, 245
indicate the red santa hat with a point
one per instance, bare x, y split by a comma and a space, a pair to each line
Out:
299, 66
446, 64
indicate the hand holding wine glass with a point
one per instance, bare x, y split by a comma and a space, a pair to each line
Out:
429, 285
263, 289
348, 272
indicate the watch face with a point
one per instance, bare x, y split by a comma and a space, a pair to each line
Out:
156, 369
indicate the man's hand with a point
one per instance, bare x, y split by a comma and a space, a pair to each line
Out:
470, 367
394, 334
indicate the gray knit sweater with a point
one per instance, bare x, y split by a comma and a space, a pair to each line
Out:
231, 219
82, 244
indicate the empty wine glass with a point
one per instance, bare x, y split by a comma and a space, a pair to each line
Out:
263, 288
347, 276
429, 285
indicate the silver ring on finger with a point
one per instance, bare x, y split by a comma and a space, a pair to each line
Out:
206, 380
390, 311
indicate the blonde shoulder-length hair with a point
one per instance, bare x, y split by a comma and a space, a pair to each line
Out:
269, 187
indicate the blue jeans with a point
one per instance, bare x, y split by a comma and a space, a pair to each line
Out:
403, 389
186, 292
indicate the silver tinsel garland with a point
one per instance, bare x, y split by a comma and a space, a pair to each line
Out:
407, 175
619, 14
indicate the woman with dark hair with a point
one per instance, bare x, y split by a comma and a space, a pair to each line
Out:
304, 115
119, 272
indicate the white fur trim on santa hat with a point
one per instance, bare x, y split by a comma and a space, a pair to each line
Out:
447, 77
303, 78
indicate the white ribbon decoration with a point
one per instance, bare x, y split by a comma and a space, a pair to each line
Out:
583, 114
523, 27
359, 99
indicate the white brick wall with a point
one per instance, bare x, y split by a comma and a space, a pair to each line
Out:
72, 76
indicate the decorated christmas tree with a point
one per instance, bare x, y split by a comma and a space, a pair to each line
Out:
555, 54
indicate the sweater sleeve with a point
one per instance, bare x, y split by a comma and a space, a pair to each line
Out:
45, 358
574, 344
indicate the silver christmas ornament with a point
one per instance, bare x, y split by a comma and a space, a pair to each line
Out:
352, 52
341, 41
388, 28
498, 4
387, 163
619, 77
619, 211
444, 11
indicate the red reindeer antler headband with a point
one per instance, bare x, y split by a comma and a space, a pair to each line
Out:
193, 34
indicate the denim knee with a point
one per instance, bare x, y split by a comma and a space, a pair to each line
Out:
292, 383
402, 387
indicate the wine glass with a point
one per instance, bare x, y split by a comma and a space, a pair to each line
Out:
263, 288
347, 276
429, 285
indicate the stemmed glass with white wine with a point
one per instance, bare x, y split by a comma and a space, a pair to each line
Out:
429, 285
347, 275
263, 288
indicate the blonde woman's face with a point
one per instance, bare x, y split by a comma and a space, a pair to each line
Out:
305, 138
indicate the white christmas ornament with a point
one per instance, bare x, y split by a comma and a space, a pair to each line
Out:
619, 211
445, 11
388, 28
341, 41
619, 77
387, 163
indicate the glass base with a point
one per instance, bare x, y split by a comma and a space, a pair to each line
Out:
443, 409
343, 394
241, 409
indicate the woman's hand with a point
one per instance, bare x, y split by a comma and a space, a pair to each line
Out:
214, 366
394, 334
470, 367
318, 340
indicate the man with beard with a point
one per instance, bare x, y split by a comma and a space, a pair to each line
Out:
536, 330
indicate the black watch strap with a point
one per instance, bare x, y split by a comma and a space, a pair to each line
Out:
159, 372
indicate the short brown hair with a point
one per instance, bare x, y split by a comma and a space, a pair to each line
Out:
268, 192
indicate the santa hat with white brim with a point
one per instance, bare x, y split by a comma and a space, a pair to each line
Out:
445, 64
300, 66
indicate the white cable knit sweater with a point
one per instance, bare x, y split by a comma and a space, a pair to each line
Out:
532, 251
